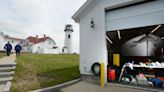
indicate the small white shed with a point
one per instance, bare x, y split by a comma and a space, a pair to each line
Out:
96, 17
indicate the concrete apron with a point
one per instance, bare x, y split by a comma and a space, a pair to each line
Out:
57, 88
96, 80
135, 87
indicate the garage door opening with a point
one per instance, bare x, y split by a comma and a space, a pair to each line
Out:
143, 46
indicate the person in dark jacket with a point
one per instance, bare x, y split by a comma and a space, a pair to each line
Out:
18, 48
8, 48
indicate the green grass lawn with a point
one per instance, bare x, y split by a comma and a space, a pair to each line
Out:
36, 71
2, 54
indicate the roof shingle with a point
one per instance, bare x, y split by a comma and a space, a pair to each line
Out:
36, 40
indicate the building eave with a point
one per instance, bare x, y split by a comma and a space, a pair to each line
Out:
88, 3
77, 13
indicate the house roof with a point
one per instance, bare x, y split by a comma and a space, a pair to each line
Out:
6, 36
55, 47
36, 40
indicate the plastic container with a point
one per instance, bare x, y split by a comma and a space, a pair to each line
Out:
161, 78
111, 74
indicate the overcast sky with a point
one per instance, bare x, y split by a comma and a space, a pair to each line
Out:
23, 18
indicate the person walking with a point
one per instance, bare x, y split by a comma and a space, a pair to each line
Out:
18, 48
8, 48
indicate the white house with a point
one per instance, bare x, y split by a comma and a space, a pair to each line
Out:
44, 45
98, 17
5, 39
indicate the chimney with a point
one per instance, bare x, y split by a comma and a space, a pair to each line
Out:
7, 35
36, 36
44, 35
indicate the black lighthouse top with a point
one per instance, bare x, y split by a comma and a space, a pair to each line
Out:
68, 27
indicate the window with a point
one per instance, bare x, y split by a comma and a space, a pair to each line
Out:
69, 36
28, 48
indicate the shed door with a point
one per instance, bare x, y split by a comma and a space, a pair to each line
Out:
146, 14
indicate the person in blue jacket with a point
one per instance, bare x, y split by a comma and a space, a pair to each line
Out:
18, 48
8, 48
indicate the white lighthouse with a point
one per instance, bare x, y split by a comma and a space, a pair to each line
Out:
68, 39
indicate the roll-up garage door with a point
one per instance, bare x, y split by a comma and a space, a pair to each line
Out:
140, 15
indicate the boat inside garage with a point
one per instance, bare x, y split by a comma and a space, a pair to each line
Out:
135, 44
